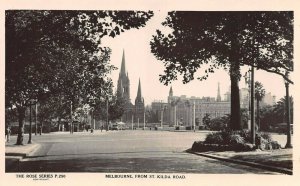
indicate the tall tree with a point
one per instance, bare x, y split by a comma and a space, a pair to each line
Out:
273, 115
226, 40
280, 109
268, 118
206, 121
259, 93
38, 43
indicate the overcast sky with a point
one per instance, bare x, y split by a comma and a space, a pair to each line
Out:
141, 63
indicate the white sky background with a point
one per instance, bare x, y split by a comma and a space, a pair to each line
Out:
141, 63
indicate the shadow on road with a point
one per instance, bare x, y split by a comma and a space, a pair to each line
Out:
102, 153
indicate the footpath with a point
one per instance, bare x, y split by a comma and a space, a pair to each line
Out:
14, 153
273, 160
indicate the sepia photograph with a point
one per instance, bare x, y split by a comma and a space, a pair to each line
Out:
148, 94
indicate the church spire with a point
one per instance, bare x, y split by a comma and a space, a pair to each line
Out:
139, 98
219, 95
123, 70
171, 92
123, 88
139, 93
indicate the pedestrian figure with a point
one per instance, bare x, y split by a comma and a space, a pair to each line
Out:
101, 128
40, 130
7, 133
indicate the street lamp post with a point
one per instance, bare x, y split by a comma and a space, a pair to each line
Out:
31, 102
175, 122
288, 117
144, 120
194, 116
92, 104
162, 118
94, 125
131, 121
92, 119
107, 123
252, 106
36, 112
247, 77
71, 123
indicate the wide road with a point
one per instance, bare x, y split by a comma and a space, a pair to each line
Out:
125, 151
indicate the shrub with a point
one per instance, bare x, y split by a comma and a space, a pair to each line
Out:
270, 145
265, 136
188, 128
246, 134
275, 145
236, 139
244, 147
199, 146
224, 138
218, 124
214, 138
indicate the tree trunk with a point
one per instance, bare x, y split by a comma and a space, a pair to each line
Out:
234, 71
258, 116
59, 124
21, 117
235, 117
41, 127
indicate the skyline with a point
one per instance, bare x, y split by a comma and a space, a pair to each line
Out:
141, 63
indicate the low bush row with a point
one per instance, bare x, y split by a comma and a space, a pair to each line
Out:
200, 146
235, 141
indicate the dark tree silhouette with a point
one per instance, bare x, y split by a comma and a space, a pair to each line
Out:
259, 93
46, 50
225, 40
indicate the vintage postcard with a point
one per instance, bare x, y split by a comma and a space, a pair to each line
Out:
166, 93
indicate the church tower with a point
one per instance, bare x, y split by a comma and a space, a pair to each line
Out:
170, 95
171, 92
219, 95
139, 104
123, 89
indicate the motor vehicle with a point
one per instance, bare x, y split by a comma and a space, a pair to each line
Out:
118, 126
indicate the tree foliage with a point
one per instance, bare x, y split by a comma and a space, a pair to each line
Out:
225, 40
259, 94
280, 109
259, 91
206, 120
272, 115
219, 123
59, 52
264, 40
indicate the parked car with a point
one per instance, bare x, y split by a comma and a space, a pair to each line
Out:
118, 126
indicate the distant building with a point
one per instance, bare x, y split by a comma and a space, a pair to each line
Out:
159, 108
132, 112
244, 98
180, 110
268, 99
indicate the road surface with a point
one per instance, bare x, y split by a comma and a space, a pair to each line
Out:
125, 151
